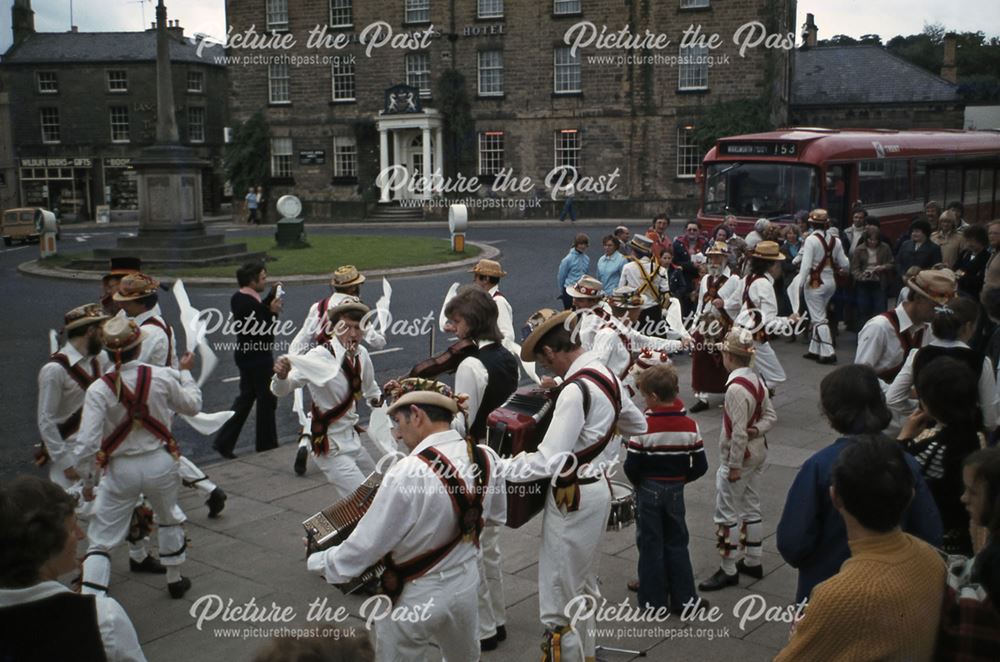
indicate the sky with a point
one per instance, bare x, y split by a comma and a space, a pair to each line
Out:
851, 17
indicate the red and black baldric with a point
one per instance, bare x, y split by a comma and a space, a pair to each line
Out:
907, 341
83, 379
136, 415
468, 506
816, 274
323, 335
160, 324
757, 391
322, 420
761, 334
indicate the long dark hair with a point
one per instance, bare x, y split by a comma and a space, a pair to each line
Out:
949, 392
478, 310
852, 400
985, 465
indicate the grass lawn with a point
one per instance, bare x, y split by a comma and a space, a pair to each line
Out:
327, 252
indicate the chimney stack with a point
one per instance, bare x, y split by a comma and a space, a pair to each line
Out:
22, 20
949, 64
809, 32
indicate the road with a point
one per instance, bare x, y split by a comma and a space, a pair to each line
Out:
32, 306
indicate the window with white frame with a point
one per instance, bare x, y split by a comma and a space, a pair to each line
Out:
340, 13
490, 73
196, 81
345, 156
277, 14
281, 157
490, 152
342, 77
119, 124
117, 80
688, 152
196, 124
567, 151
693, 4
47, 82
566, 7
490, 9
418, 11
692, 71
277, 83
50, 125
566, 74
418, 72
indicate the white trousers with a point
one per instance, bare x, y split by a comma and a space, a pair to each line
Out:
739, 501
767, 364
817, 299
194, 477
153, 474
451, 624
492, 606
567, 565
340, 465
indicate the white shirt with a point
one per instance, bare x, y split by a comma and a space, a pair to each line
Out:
855, 235
505, 315
169, 391
753, 238
305, 339
334, 391
117, 633
728, 291
471, 378
878, 344
813, 253
156, 346
59, 396
632, 277
898, 395
570, 432
763, 299
413, 514
617, 341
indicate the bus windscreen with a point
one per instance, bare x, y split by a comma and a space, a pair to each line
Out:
768, 190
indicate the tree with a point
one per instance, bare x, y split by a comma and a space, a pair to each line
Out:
456, 113
246, 158
732, 118
838, 40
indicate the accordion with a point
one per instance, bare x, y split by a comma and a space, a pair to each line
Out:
331, 526
519, 425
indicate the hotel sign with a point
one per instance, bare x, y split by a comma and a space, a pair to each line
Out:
483, 30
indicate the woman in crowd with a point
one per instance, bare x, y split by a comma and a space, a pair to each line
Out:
947, 237
871, 266
811, 534
609, 266
981, 479
940, 435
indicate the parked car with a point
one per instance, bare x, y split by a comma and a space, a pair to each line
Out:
23, 224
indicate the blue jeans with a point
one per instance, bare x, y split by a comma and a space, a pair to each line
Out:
568, 208
664, 563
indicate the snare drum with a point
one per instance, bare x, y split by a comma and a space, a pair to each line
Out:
622, 506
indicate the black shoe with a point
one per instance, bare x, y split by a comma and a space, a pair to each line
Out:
148, 565
827, 360
719, 581
489, 643
229, 455
179, 588
216, 502
501, 633
700, 405
701, 604
755, 571
811, 356
300, 460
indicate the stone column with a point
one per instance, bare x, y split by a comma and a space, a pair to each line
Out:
383, 160
397, 158
439, 153
426, 195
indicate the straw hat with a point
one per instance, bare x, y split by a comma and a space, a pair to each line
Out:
738, 341
625, 297
120, 334
538, 325
718, 248
587, 287
346, 276
414, 391
349, 303
642, 243
767, 250
938, 285
819, 217
490, 268
136, 286
90, 313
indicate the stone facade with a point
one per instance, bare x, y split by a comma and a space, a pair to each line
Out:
627, 115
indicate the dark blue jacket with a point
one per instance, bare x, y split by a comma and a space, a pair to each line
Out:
811, 534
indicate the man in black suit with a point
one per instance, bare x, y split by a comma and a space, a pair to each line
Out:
255, 319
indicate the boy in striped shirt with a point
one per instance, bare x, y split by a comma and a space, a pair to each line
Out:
659, 464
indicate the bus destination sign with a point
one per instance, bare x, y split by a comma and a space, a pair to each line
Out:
758, 149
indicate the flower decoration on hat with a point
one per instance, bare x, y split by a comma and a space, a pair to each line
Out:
346, 276
417, 390
136, 286
90, 313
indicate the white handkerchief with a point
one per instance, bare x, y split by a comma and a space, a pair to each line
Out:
442, 320
315, 370
53, 341
208, 362
207, 424
795, 293
382, 307
380, 430
195, 329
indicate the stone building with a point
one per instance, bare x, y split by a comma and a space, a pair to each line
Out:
867, 87
351, 88
82, 105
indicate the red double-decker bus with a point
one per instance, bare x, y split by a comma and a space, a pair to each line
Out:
892, 174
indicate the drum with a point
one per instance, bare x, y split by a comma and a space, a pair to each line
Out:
622, 506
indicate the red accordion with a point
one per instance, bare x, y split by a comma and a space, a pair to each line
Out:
519, 425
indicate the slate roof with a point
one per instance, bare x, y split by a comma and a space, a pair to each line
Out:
834, 75
82, 47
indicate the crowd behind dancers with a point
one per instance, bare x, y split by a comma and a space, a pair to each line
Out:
913, 467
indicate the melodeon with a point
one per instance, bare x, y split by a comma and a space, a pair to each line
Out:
332, 525
519, 425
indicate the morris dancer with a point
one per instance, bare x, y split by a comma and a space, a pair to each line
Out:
124, 431
425, 523
138, 296
486, 276
651, 282
821, 253
713, 317
576, 509
336, 445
